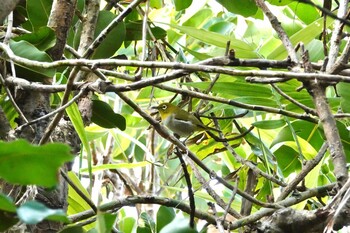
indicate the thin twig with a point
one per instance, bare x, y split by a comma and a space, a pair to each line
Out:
69, 87
138, 75
61, 108
189, 187
301, 175
78, 191
300, 105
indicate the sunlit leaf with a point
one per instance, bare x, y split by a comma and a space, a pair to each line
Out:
242, 7
182, 4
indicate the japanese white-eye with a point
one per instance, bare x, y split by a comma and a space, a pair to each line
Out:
179, 121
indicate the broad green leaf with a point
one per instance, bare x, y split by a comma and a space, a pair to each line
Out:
308, 151
241, 7
316, 54
306, 130
242, 49
146, 224
343, 91
6, 203
287, 158
311, 180
306, 35
105, 222
235, 88
280, 2
76, 203
134, 31
33, 212
270, 124
164, 216
127, 224
43, 38
114, 38
182, 4
25, 164
199, 18
26, 50
156, 4
222, 27
178, 225
303, 11
116, 166
38, 12
104, 116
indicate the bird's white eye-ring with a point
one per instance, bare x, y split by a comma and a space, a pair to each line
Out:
164, 107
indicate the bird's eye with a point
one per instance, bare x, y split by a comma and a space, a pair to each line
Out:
164, 107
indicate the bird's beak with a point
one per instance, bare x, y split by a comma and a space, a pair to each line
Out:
154, 110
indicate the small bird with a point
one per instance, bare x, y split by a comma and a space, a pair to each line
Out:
179, 121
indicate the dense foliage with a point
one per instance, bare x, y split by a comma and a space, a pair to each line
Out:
79, 80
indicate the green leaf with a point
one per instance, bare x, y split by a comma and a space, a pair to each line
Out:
127, 224
345, 139
104, 116
242, 7
25, 164
105, 222
26, 50
146, 224
306, 130
33, 212
306, 35
270, 124
235, 88
76, 203
178, 225
344, 93
114, 38
43, 38
182, 4
134, 31
164, 216
157, 4
280, 2
38, 12
305, 12
199, 18
287, 159
242, 49
6, 203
